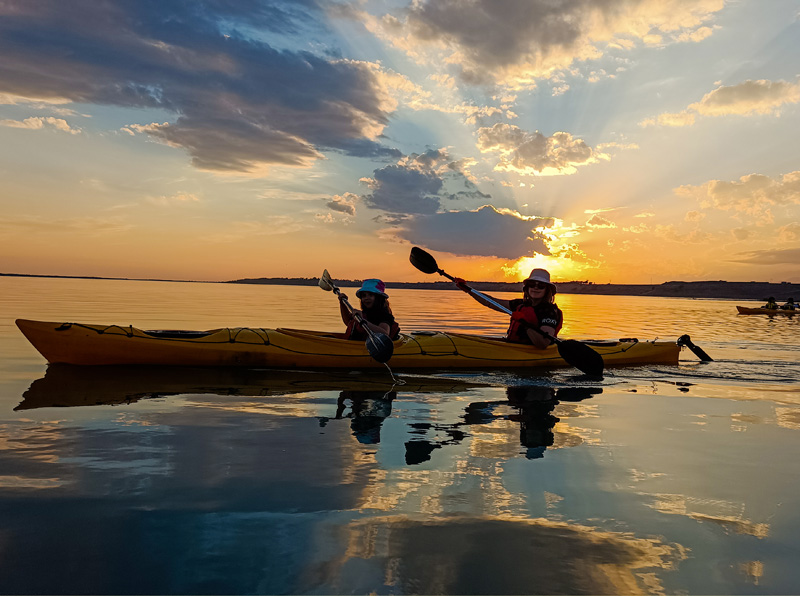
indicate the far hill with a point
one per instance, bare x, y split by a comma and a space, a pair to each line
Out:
753, 290
734, 290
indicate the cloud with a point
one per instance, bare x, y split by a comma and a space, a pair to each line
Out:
176, 199
487, 232
790, 232
694, 216
240, 104
751, 195
516, 42
417, 184
344, 203
529, 153
744, 99
775, 256
740, 233
86, 226
597, 221
41, 123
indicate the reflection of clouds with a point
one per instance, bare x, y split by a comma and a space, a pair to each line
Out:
730, 516
492, 554
17, 482
788, 418
752, 570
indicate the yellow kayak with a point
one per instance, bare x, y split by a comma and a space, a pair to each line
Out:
83, 344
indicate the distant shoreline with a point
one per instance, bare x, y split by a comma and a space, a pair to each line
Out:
753, 290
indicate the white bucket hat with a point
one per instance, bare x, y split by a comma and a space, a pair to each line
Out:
542, 275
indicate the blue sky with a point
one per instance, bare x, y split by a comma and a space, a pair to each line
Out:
631, 141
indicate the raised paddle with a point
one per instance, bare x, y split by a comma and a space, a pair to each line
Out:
575, 353
379, 346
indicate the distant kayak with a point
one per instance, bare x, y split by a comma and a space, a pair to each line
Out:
84, 344
745, 310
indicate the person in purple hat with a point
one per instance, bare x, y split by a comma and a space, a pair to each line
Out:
375, 311
537, 307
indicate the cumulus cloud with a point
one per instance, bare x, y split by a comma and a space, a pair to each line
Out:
417, 184
176, 199
412, 196
239, 103
694, 216
516, 42
344, 203
751, 195
41, 123
487, 232
740, 233
744, 99
597, 221
529, 153
790, 232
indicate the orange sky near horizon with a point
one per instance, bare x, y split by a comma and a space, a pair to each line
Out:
652, 144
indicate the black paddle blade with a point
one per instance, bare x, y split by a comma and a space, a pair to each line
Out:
380, 347
581, 356
423, 260
685, 340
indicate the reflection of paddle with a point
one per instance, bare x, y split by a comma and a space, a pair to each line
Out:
379, 345
575, 353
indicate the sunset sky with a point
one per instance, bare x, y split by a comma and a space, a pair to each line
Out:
628, 141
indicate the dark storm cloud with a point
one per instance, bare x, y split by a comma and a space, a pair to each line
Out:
239, 102
486, 232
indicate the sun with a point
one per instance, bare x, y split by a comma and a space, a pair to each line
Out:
560, 269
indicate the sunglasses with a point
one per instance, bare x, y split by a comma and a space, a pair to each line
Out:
536, 285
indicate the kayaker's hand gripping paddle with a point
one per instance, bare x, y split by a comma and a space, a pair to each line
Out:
379, 345
575, 353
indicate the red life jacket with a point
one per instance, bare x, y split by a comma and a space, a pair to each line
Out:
516, 331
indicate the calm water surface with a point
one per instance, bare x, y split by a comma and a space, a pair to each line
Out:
662, 479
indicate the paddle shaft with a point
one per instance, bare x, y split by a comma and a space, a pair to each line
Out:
502, 308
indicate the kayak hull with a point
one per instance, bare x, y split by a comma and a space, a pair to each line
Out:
745, 310
84, 344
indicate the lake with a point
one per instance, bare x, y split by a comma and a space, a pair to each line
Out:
655, 479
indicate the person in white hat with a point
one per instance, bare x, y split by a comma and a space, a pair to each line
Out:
375, 311
537, 307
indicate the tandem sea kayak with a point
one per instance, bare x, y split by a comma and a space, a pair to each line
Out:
744, 310
84, 344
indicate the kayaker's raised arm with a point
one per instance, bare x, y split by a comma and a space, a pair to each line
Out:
462, 285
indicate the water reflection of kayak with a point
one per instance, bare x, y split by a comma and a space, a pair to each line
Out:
76, 343
745, 310
65, 385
